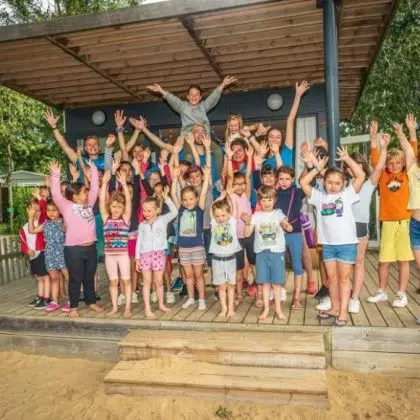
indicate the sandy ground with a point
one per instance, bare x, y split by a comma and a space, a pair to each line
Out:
40, 387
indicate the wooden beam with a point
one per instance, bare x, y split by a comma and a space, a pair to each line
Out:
90, 66
189, 26
144, 13
30, 94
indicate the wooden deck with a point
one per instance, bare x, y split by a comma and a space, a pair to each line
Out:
15, 295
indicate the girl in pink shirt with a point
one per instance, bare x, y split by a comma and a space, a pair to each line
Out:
80, 250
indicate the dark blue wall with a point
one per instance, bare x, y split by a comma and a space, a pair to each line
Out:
251, 105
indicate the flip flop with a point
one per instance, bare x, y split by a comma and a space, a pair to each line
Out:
326, 315
340, 322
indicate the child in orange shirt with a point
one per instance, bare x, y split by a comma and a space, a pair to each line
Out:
395, 241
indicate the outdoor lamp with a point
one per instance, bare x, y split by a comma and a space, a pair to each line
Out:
98, 117
275, 101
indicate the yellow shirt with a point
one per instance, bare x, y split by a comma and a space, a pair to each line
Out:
414, 185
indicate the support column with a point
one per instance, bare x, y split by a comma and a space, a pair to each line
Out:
331, 78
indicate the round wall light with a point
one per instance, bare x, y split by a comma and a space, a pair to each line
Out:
98, 117
275, 101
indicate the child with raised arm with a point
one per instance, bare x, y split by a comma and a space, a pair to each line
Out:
269, 246
193, 110
224, 247
79, 251
116, 215
191, 252
150, 248
54, 236
336, 229
395, 217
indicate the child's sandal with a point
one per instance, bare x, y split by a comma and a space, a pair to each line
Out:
340, 322
311, 287
296, 304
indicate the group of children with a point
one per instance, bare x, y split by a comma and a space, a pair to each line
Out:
140, 213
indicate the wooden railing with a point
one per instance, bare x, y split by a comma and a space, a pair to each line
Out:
13, 265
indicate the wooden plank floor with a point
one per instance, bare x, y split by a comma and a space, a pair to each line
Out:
15, 296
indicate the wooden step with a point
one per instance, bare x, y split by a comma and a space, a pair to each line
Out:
265, 349
172, 376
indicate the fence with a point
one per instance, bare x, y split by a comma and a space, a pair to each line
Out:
13, 265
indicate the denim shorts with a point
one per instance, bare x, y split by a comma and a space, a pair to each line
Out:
294, 244
270, 268
415, 234
346, 253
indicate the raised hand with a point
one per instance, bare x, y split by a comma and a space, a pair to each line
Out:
302, 87
155, 88
51, 118
398, 128
190, 139
179, 144
176, 173
263, 148
246, 217
373, 128
122, 178
228, 151
343, 154
79, 151
410, 121
48, 181
384, 141
228, 80
321, 163
136, 166
261, 130
54, 165
107, 177
110, 140
75, 173
116, 163
165, 192
207, 142
249, 151
245, 132
146, 154
139, 124
31, 211
163, 158
36, 193
119, 118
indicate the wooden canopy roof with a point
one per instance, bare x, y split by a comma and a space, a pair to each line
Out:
109, 58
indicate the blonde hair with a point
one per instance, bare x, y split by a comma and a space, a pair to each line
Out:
115, 196
230, 118
394, 153
221, 205
266, 192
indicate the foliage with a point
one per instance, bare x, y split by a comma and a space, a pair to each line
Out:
223, 413
21, 198
392, 88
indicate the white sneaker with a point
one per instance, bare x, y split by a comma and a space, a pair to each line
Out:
153, 297
121, 300
202, 305
400, 300
354, 306
324, 304
283, 294
188, 303
378, 296
134, 298
170, 297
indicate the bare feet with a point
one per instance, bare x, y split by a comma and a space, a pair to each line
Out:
280, 315
222, 313
74, 313
164, 308
95, 308
127, 315
264, 314
112, 312
259, 303
231, 314
150, 315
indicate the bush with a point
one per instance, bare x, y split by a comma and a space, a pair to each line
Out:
21, 197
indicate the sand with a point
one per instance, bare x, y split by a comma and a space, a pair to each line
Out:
40, 387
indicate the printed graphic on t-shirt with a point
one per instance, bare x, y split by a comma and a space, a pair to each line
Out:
223, 234
268, 233
85, 212
335, 207
188, 224
394, 184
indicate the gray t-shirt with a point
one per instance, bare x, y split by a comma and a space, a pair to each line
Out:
361, 209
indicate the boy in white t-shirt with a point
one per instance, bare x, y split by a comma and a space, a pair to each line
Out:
269, 247
224, 247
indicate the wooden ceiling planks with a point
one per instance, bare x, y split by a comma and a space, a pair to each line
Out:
266, 45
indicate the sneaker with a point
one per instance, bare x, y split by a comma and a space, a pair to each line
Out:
188, 303
42, 304
66, 308
34, 302
322, 292
97, 297
202, 305
378, 296
283, 294
153, 297
121, 300
81, 297
170, 297
177, 284
400, 300
324, 304
134, 298
354, 306
52, 306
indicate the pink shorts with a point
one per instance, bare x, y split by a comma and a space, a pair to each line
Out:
115, 263
132, 247
153, 261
